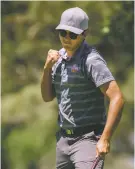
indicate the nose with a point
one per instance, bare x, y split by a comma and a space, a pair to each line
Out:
67, 36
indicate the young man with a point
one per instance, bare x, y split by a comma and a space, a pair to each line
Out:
79, 77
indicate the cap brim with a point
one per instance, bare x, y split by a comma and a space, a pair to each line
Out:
69, 28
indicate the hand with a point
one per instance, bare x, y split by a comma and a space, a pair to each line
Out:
102, 148
52, 58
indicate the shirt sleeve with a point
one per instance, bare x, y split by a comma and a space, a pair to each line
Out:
53, 73
53, 86
97, 70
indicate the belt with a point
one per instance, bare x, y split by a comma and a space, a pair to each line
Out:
82, 130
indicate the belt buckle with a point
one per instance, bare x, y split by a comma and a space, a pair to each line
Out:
69, 131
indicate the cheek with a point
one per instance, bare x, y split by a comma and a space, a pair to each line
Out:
77, 41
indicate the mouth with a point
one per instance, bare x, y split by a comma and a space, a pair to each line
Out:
65, 43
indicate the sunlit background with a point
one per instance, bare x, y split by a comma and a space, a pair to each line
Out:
28, 32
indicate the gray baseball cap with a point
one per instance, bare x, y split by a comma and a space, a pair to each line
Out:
74, 20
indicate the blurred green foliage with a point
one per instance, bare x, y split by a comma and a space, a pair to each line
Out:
28, 32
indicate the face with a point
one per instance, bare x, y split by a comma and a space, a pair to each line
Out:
70, 41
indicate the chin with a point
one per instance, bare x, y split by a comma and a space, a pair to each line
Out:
67, 46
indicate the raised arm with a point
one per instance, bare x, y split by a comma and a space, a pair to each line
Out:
47, 89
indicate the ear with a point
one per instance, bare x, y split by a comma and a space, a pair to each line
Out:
85, 33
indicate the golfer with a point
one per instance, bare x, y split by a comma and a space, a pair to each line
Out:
78, 76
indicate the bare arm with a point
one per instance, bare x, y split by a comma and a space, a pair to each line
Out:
47, 90
112, 91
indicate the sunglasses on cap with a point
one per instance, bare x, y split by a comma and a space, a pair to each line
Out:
64, 33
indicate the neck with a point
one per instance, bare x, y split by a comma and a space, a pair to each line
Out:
70, 53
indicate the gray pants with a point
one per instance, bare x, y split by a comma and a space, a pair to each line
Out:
77, 152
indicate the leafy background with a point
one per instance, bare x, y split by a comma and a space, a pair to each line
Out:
28, 32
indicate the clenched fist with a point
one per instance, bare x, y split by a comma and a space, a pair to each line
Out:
52, 58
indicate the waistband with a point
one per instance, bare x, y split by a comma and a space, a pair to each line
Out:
82, 130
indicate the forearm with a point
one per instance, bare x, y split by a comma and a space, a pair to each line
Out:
113, 117
46, 86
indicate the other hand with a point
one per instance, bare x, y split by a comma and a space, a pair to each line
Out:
102, 148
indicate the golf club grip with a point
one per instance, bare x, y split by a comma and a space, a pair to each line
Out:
95, 163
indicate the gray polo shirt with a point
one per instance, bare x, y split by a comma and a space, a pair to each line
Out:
80, 100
